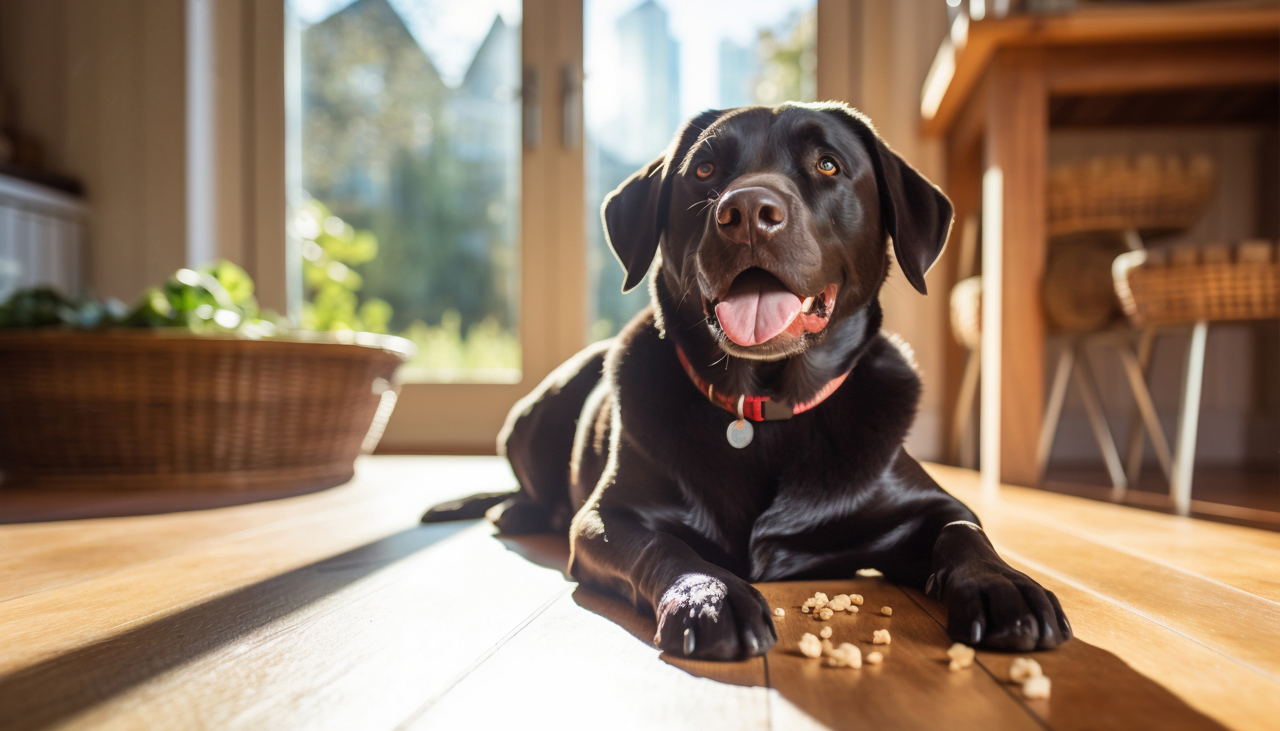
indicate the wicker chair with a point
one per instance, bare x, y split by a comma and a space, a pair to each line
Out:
1144, 195
1189, 287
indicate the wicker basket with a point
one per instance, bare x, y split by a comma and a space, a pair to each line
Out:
1199, 285
153, 410
1150, 193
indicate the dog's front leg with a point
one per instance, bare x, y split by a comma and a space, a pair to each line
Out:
702, 610
990, 603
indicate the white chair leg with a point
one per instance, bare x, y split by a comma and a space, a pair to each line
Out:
962, 422
1101, 430
1053, 409
1145, 409
1184, 454
1133, 446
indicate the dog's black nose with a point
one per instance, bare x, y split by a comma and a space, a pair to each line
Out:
748, 213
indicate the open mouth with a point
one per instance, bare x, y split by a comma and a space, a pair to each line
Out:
758, 308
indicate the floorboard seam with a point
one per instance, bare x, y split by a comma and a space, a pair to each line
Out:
1133, 610
1021, 702
426, 706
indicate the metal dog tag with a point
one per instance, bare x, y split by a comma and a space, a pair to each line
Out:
740, 433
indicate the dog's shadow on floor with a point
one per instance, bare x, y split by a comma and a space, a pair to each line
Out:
552, 551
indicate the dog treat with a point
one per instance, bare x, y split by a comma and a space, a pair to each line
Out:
827, 647
1023, 669
853, 609
806, 610
961, 656
825, 613
874, 658
868, 573
856, 599
880, 637
840, 603
810, 646
844, 656
1036, 687
779, 612
820, 600
808, 603
886, 611
825, 633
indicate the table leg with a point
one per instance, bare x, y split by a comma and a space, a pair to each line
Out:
1017, 143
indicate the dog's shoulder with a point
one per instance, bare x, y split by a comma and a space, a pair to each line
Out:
889, 364
882, 393
641, 356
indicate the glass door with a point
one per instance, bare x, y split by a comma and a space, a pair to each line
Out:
435, 193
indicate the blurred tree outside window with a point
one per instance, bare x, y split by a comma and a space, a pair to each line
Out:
408, 216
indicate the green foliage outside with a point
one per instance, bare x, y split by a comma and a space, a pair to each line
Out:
330, 247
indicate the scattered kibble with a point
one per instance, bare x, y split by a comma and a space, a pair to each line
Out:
874, 658
808, 603
868, 573
825, 633
779, 612
1036, 687
844, 656
806, 609
810, 646
961, 656
1023, 669
886, 611
853, 609
827, 647
856, 599
880, 637
825, 614
840, 603
820, 600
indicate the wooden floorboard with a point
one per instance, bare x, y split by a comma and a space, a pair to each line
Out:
911, 688
337, 610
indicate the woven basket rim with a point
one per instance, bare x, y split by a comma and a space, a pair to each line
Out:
400, 347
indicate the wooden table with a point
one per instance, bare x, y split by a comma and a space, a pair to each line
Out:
989, 96
337, 610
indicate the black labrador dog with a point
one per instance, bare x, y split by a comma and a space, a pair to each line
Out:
748, 425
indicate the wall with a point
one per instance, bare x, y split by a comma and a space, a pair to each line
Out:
881, 73
101, 86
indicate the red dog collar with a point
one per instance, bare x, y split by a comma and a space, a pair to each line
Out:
757, 408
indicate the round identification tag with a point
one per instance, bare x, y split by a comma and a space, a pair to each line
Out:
740, 433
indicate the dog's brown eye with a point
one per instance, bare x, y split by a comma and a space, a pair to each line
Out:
704, 170
827, 166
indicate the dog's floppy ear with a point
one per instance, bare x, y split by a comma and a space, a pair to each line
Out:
915, 213
635, 214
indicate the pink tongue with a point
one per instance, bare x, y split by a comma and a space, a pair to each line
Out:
756, 309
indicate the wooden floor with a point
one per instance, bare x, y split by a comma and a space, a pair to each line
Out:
336, 610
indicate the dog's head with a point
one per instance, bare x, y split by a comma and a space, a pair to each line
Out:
773, 220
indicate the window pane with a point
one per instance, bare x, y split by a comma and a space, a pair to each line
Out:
649, 66
408, 187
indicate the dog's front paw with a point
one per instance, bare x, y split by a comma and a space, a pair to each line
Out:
998, 607
710, 618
